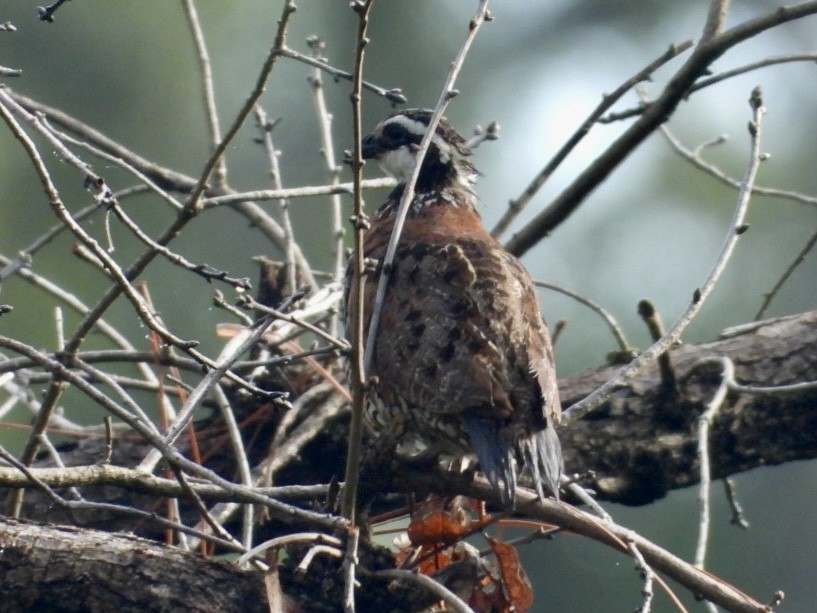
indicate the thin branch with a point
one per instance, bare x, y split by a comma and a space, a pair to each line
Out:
208, 93
704, 425
33, 480
296, 192
704, 54
288, 443
207, 272
241, 458
149, 185
357, 369
694, 157
393, 95
316, 538
282, 511
764, 63
75, 303
236, 347
62, 213
516, 206
736, 229
194, 205
52, 395
647, 576
715, 19
164, 177
625, 348
144, 483
295, 320
265, 127
738, 518
615, 536
798, 259
328, 154
349, 569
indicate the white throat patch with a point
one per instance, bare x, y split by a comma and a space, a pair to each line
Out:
399, 163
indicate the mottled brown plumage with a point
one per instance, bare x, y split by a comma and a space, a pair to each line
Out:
462, 360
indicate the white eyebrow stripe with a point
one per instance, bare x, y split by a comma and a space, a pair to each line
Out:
413, 126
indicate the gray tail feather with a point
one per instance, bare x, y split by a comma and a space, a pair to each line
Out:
496, 457
543, 459
540, 450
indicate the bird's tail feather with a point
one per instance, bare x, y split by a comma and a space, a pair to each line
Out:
543, 459
496, 457
540, 451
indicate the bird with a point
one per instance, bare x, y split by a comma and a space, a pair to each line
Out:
462, 360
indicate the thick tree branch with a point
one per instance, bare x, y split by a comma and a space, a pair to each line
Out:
60, 568
640, 445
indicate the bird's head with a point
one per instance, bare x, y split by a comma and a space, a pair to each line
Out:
395, 141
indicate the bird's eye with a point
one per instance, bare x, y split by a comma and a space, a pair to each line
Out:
393, 133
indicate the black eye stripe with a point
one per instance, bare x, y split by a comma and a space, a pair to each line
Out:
397, 134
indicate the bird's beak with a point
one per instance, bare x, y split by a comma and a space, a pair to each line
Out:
369, 147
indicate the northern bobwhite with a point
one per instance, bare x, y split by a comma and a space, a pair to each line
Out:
462, 360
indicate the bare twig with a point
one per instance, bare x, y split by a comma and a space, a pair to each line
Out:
764, 63
33, 480
649, 314
357, 374
706, 52
194, 205
282, 511
46, 13
148, 184
736, 229
704, 424
145, 483
205, 271
394, 95
694, 157
236, 347
332, 167
625, 348
799, 259
295, 320
738, 518
517, 205
296, 192
316, 538
208, 93
241, 459
586, 498
265, 127
615, 536
647, 575
350, 564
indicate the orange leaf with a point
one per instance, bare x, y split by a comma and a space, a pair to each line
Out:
514, 578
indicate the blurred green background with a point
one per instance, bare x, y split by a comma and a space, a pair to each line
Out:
652, 230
